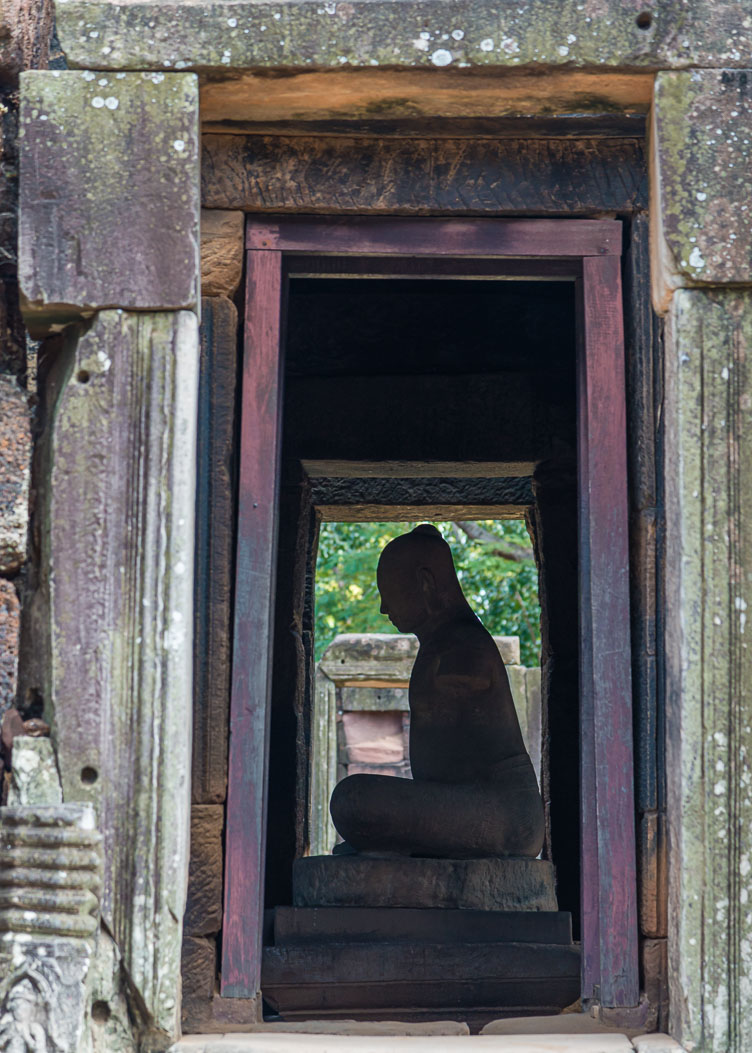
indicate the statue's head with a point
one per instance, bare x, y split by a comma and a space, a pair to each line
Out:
417, 579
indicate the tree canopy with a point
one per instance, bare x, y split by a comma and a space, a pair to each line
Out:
494, 561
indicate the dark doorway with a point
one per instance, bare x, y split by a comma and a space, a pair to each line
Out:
463, 372
468, 426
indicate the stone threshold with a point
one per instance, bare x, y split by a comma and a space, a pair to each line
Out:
287, 1042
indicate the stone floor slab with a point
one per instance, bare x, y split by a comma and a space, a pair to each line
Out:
289, 1043
656, 1043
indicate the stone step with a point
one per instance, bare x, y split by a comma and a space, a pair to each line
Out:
418, 977
296, 925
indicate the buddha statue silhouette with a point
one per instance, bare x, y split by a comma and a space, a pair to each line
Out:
473, 793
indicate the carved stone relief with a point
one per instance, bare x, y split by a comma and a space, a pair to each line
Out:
50, 884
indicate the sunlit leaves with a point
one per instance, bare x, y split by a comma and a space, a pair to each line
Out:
503, 593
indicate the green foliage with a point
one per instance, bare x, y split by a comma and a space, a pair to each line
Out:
503, 593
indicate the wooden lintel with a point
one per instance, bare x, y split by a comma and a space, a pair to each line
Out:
580, 126
352, 175
399, 95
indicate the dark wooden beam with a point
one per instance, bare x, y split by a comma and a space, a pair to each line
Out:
252, 641
215, 513
398, 176
581, 126
609, 907
431, 236
494, 489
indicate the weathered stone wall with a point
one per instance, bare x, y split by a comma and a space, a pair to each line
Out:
25, 43
701, 247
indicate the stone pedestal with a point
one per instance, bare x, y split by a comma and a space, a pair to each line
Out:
459, 884
404, 939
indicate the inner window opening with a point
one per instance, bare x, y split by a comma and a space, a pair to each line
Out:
495, 563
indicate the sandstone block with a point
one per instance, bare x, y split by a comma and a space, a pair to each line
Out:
34, 776
365, 1028
702, 151
464, 884
387, 656
203, 912
564, 1024
656, 1043
198, 967
364, 32
10, 45
221, 252
109, 202
15, 467
654, 968
374, 699
374, 738
9, 632
112, 1027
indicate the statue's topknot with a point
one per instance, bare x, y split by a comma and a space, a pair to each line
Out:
427, 530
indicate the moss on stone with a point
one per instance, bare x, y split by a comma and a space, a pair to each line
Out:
109, 202
704, 144
311, 34
246, 34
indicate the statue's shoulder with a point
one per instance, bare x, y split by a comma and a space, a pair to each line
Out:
465, 653
469, 631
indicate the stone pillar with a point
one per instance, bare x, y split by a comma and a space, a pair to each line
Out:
702, 244
109, 247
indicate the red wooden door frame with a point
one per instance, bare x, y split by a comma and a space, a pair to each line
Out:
587, 251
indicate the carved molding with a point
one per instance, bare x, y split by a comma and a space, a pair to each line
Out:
50, 880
